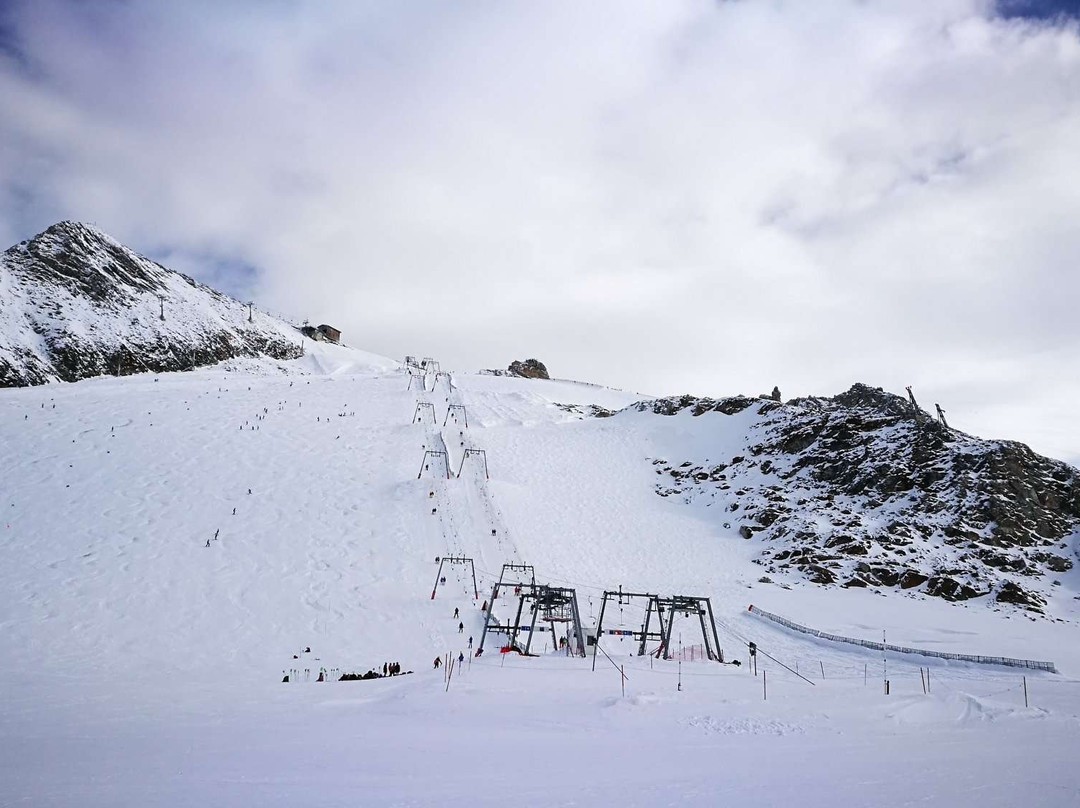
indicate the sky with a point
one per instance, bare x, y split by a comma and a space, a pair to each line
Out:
667, 197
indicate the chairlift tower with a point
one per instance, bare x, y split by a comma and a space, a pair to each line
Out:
463, 561
550, 604
941, 416
626, 599
688, 604
516, 575
433, 454
460, 408
481, 453
421, 408
914, 405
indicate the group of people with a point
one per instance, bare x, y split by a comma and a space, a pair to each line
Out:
391, 668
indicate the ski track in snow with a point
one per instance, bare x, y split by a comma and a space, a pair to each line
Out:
142, 667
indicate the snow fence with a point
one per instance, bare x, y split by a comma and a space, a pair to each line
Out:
901, 649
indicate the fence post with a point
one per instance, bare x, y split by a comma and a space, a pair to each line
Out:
1025, 693
764, 688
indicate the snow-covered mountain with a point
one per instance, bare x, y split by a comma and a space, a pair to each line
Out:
859, 490
75, 303
174, 545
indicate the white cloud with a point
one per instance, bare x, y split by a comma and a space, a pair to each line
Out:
668, 196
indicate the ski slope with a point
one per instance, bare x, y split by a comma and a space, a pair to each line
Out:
142, 666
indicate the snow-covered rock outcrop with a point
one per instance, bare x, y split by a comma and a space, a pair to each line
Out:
856, 490
75, 303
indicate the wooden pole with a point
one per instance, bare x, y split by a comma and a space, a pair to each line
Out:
622, 679
928, 680
1025, 693
764, 688
864, 674
923, 680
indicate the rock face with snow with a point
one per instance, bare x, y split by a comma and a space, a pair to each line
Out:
858, 491
75, 303
529, 369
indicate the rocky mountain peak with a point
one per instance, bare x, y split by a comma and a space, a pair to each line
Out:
86, 261
74, 303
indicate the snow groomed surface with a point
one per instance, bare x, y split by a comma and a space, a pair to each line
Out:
143, 667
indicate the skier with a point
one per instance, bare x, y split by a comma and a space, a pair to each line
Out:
456, 615
216, 533
385, 665
438, 662
208, 542
460, 628
470, 641
461, 657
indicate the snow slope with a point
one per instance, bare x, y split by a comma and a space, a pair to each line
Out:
143, 667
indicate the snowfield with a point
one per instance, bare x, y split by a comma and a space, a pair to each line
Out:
143, 667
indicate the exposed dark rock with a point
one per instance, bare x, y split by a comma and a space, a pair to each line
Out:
909, 579
529, 369
1013, 593
942, 586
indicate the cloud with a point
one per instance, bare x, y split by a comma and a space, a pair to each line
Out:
663, 196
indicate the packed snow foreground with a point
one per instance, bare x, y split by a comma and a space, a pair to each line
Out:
174, 546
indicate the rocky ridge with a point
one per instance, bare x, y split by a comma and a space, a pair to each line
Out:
858, 490
75, 303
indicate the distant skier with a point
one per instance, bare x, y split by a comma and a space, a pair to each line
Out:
438, 662
460, 628
216, 532
470, 641
456, 615
208, 542
385, 665
461, 657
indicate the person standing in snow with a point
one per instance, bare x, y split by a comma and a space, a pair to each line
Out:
456, 615
470, 641
438, 662
461, 657
460, 628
